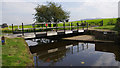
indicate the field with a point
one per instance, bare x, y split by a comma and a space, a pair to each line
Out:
108, 23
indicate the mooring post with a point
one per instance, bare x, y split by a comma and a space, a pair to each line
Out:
22, 30
12, 27
71, 26
34, 30
56, 26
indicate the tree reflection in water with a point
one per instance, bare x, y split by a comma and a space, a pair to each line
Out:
50, 52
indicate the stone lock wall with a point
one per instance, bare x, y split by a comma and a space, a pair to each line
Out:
103, 35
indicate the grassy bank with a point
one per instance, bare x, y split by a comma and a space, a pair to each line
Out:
0, 55
16, 53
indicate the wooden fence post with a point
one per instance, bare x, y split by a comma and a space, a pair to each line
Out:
12, 28
22, 30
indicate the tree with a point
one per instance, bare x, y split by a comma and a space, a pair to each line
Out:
51, 12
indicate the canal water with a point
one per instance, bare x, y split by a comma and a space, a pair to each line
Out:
65, 53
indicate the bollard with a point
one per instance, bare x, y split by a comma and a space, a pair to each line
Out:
12, 28
22, 29
3, 40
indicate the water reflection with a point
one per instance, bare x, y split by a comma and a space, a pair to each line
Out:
108, 47
65, 53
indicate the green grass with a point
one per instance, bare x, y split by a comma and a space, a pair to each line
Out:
15, 53
0, 51
110, 27
96, 21
108, 23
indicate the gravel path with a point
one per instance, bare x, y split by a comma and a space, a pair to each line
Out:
89, 38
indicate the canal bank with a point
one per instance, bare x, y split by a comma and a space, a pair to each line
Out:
16, 52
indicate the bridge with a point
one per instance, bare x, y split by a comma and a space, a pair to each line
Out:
47, 30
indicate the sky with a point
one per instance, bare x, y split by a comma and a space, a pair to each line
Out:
18, 11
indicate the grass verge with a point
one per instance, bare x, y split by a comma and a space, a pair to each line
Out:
16, 53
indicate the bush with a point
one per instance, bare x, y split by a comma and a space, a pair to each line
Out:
117, 25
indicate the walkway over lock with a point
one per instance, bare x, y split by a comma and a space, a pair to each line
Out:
41, 30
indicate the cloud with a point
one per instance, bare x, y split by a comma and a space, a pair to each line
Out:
105, 61
17, 12
61, 0
94, 10
0, 12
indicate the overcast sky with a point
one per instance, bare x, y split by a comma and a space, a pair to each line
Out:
18, 11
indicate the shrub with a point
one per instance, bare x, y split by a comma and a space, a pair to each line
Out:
117, 25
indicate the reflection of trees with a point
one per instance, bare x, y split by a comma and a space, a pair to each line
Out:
53, 57
109, 47
60, 54
41, 51
42, 47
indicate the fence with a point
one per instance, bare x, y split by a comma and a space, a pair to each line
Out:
45, 27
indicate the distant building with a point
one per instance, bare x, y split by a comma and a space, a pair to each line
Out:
4, 25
